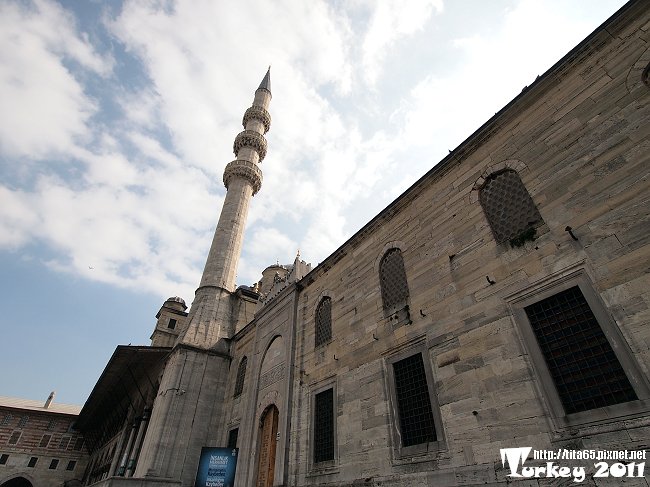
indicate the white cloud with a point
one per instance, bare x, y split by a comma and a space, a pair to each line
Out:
390, 21
43, 108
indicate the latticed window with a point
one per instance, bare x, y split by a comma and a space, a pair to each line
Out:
45, 440
23, 421
15, 436
324, 426
392, 279
232, 438
413, 401
63, 444
241, 375
323, 322
580, 359
509, 209
6, 419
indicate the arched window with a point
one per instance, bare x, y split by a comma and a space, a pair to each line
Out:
241, 375
392, 279
509, 209
323, 322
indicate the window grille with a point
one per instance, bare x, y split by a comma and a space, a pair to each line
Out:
241, 375
580, 359
51, 424
63, 444
392, 279
15, 436
323, 322
508, 207
23, 421
78, 444
45, 440
413, 401
32, 462
5, 421
232, 438
324, 426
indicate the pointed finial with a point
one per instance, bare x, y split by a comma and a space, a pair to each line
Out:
266, 82
298, 254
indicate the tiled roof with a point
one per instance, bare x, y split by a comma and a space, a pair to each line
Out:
31, 405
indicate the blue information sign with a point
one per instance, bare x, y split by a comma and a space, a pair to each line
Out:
217, 467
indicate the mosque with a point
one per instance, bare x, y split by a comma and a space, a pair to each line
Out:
502, 301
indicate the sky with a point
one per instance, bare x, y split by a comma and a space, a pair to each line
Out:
117, 118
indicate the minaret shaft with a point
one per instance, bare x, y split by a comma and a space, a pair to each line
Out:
221, 265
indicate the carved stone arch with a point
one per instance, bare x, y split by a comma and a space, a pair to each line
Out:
395, 244
494, 168
267, 445
325, 293
19, 479
639, 73
273, 367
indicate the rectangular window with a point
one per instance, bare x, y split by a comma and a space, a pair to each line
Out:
232, 438
583, 363
45, 441
53, 464
172, 323
15, 436
71, 465
78, 444
51, 424
32, 462
324, 426
63, 444
413, 401
580, 359
3, 459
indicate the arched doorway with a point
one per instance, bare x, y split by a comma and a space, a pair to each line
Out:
17, 482
266, 457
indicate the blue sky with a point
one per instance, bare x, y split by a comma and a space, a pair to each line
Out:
117, 119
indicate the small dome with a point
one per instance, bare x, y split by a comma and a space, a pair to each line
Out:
176, 299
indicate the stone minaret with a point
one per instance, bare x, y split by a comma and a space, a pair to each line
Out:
188, 410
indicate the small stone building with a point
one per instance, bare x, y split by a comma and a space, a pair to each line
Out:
501, 301
39, 444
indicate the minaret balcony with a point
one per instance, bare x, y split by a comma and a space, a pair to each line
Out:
243, 169
258, 113
252, 139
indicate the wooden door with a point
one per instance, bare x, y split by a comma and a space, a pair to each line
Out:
266, 458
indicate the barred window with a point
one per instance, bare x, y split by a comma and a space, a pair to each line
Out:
241, 375
63, 444
51, 424
15, 436
23, 421
323, 322
392, 279
78, 444
413, 401
232, 438
5, 421
45, 440
584, 368
508, 207
324, 426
